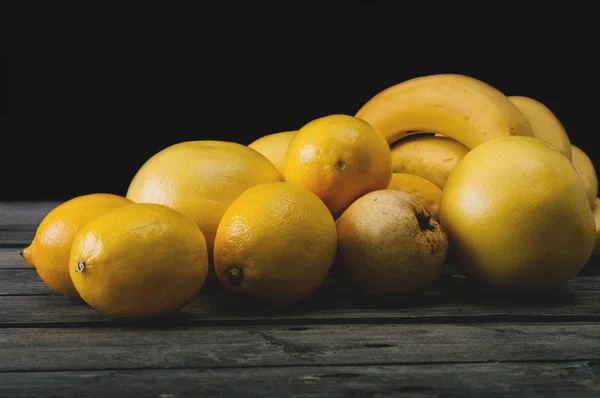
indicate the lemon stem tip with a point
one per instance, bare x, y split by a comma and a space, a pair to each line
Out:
341, 165
236, 275
79, 266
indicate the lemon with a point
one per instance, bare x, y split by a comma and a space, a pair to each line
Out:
274, 147
49, 250
139, 261
200, 179
426, 191
275, 244
339, 158
517, 215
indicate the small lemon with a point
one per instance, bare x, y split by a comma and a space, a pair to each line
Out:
339, 158
275, 244
139, 261
49, 250
426, 191
200, 179
274, 147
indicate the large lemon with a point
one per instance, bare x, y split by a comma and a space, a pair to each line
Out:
139, 261
517, 215
201, 179
274, 147
275, 244
339, 158
51, 246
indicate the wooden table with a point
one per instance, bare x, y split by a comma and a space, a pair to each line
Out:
450, 342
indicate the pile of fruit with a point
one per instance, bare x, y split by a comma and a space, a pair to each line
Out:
436, 170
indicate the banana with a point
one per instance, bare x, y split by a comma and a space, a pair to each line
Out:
428, 156
544, 123
458, 106
584, 166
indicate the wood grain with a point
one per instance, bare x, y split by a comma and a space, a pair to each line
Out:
16, 236
548, 380
27, 301
455, 340
25, 213
22, 281
184, 347
19, 221
10, 258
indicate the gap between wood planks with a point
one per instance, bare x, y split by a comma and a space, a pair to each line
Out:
590, 363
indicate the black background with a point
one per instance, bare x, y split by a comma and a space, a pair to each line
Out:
91, 92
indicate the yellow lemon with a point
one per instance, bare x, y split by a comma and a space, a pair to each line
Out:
200, 179
274, 146
139, 261
275, 244
426, 191
339, 158
517, 215
50, 248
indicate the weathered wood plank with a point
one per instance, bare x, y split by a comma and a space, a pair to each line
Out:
548, 380
19, 221
576, 286
22, 281
37, 349
577, 301
16, 236
25, 213
10, 258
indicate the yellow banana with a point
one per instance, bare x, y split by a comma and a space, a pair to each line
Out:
584, 166
458, 106
428, 156
544, 123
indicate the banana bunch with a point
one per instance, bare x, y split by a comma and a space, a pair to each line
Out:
432, 121
432, 157
457, 106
